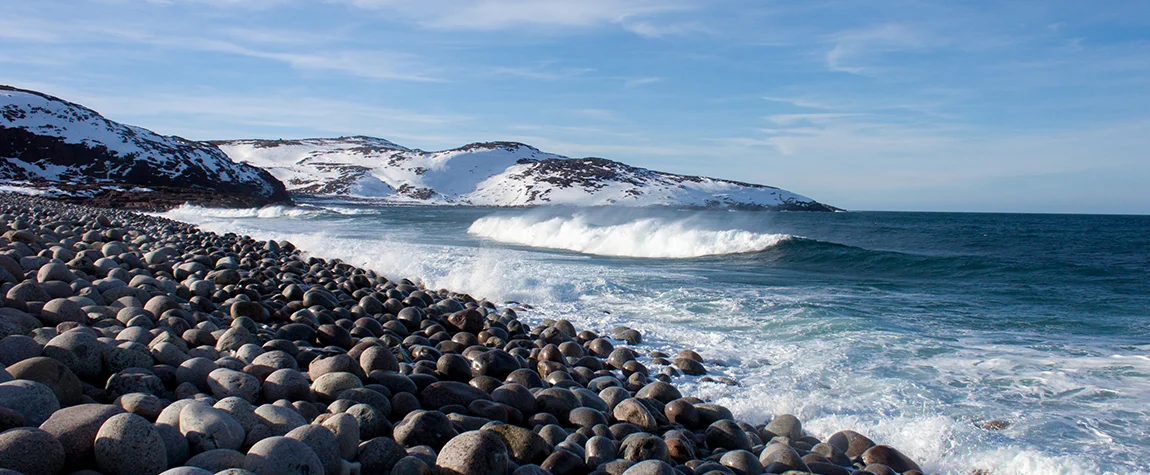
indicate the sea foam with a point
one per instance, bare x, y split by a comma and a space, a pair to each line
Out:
832, 367
192, 213
647, 237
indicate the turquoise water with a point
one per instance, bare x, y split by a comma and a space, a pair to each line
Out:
913, 328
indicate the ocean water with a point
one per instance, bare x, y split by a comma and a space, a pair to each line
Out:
912, 328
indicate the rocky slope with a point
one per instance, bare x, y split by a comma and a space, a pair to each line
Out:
490, 174
63, 148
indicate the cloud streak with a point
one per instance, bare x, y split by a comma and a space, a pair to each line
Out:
499, 15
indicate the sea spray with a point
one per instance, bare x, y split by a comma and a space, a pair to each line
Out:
909, 327
191, 213
644, 237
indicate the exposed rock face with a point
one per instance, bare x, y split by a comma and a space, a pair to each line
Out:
490, 174
47, 141
67, 150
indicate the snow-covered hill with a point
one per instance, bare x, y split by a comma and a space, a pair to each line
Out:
44, 139
489, 174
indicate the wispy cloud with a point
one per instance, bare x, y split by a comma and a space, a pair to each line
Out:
547, 70
207, 115
852, 49
597, 114
651, 29
804, 102
638, 82
234, 4
493, 15
816, 118
299, 51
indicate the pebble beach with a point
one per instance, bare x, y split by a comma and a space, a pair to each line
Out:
134, 344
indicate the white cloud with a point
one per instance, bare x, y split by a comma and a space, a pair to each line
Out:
493, 15
816, 118
548, 70
207, 115
804, 102
597, 114
306, 51
853, 48
637, 82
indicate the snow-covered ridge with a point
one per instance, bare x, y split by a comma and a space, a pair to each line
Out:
489, 174
49, 139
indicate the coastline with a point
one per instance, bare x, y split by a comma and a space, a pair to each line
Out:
591, 398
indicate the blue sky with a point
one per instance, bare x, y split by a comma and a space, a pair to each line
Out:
903, 105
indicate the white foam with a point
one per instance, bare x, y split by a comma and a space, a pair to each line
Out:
25, 190
193, 213
649, 237
833, 371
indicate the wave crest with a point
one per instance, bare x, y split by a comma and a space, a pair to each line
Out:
647, 237
186, 211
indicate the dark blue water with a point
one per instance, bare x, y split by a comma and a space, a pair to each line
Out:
914, 328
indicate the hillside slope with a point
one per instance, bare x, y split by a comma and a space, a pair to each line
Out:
490, 174
47, 141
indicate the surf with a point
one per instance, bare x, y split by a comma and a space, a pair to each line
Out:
638, 237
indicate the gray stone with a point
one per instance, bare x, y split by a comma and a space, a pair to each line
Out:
660, 391
216, 460
442, 393
786, 425
30, 451
524, 445
208, 428
16, 348
636, 413
380, 455
234, 338
324, 443
282, 456
76, 427
287, 384
196, 371
54, 271
327, 387
599, 450
409, 466
35, 401
650, 467
784, 455
128, 444
28, 292
742, 462
279, 419
57, 311
889, 456
175, 444
346, 430
728, 435
147, 406
79, 351
186, 471
225, 382
852, 443
430, 428
473, 453
378, 358
49, 372
135, 380
642, 446
690, 366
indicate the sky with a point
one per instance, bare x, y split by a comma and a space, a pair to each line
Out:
1018, 106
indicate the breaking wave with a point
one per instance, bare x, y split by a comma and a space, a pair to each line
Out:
646, 237
189, 213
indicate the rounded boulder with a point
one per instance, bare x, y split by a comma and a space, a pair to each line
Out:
127, 444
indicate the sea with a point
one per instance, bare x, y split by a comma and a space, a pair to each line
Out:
1010, 343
